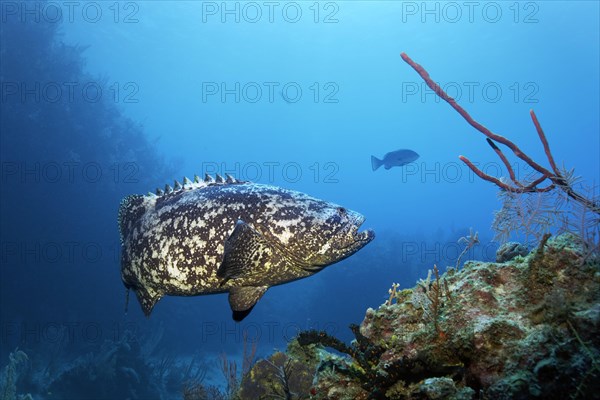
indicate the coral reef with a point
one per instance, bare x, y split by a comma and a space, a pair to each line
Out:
118, 370
124, 368
510, 250
286, 375
525, 328
468, 241
17, 361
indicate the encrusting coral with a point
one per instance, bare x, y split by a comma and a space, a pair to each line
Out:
526, 328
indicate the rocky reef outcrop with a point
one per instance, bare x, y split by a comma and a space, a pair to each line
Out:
525, 328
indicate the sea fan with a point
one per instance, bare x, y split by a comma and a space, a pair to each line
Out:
528, 214
531, 215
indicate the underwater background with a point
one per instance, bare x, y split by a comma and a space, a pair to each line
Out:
100, 100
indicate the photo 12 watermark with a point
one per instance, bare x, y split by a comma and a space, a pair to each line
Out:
266, 332
51, 92
275, 171
31, 333
457, 171
454, 12
290, 92
55, 12
451, 252
68, 172
63, 253
270, 12
472, 92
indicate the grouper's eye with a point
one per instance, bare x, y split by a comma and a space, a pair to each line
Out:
342, 210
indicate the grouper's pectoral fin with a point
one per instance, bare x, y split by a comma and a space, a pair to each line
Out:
246, 260
243, 299
147, 298
247, 255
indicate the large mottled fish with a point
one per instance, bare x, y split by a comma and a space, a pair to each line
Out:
212, 236
396, 158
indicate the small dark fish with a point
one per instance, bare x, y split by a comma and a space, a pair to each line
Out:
396, 158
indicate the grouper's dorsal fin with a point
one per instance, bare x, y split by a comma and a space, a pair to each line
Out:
230, 179
197, 183
246, 253
131, 208
243, 299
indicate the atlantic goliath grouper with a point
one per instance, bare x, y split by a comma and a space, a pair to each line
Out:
213, 236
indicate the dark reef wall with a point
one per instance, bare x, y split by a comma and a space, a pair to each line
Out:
68, 157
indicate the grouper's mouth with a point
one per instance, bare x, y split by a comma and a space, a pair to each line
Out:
363, 237
350, 240
356, 239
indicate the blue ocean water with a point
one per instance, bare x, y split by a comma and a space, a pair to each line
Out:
105, 99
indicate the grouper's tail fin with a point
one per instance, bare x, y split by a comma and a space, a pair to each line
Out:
376, 163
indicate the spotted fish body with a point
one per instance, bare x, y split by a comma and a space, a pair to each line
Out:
212, 236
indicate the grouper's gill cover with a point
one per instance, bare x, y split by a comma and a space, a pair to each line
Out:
211, 236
